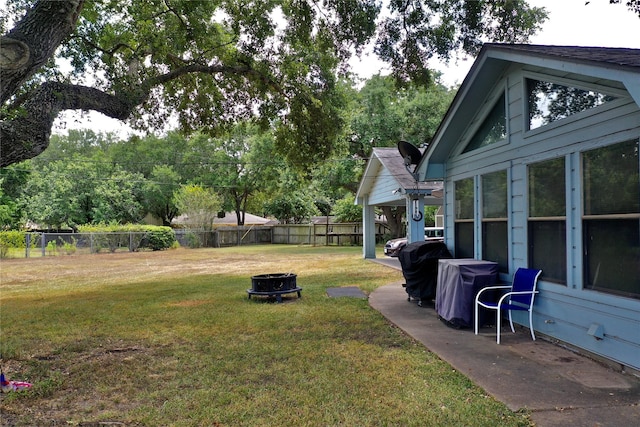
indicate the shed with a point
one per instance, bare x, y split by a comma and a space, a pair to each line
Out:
538, 153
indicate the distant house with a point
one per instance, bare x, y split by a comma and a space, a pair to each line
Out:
539, 157
229, 219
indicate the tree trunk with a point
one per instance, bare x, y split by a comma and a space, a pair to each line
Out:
33, 40
394, 215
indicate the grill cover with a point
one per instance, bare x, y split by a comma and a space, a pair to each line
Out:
419, 262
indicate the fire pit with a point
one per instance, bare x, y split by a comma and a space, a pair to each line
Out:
275, 284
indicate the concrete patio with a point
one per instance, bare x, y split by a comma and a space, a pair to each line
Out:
559, 387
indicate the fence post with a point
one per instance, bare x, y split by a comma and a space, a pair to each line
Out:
27, 241
43, 243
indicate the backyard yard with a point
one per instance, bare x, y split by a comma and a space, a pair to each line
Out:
170, 338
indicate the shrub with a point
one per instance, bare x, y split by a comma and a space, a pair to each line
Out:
159, 238
154, 237
52, 247
13, 239
70, 247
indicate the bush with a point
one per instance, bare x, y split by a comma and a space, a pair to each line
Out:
13, 239
52, 247
70, 247
158, 238
154, 237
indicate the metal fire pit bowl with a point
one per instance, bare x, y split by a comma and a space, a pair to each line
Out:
274, 284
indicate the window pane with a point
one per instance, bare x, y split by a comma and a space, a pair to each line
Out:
548, 249
493, 129
549, 102
464, 240
464, 199
494, 195
495, 244
547, 188
612, 259
611, 180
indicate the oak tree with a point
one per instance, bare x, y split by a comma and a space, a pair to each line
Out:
213, 62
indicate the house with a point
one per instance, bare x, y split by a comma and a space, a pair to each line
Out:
388, 182
538, 153
229, 219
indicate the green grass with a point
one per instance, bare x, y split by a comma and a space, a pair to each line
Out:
171, 339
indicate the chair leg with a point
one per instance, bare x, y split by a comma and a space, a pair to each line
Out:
475, 310
533, 336
498, 316
511, 322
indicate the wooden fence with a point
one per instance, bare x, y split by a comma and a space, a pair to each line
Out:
340, 234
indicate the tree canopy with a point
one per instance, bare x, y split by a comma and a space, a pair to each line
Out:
210, 63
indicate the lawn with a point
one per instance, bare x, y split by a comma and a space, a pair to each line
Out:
171, 339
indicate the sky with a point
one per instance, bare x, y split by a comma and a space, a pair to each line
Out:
570, 23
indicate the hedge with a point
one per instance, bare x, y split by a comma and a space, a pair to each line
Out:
155, 237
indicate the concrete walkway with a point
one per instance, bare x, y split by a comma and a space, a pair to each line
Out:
559, 387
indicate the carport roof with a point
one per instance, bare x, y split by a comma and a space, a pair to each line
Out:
387, 163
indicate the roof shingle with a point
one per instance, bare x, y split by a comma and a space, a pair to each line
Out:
617, 56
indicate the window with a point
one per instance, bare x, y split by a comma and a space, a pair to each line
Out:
611, 219
492, 130
547, 219
494, 219
549, 102
464, 241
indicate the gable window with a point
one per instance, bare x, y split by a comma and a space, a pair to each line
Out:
494, 219
492, 130
550, 102
547, 219
464, 212
611, 219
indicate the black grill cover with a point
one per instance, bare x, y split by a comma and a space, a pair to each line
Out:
419, 262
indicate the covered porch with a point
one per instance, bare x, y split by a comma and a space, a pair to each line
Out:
388, 182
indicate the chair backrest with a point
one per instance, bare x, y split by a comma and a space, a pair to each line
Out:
525, 279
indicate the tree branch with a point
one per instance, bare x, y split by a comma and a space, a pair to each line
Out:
28, 135
31, 46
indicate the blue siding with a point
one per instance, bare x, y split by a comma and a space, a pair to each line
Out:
562, 312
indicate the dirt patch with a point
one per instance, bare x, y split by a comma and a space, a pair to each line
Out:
100, 269
189, 303
62, 397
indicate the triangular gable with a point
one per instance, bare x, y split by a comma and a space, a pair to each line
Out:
593, 63
386, 180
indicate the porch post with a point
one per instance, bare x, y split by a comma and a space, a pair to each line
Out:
415, 218
368, 229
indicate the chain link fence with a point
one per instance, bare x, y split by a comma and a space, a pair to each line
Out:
42, 244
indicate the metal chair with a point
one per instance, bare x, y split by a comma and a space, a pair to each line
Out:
519, 297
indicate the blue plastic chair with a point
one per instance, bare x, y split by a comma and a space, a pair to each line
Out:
519, 297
